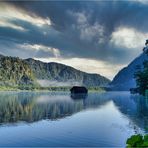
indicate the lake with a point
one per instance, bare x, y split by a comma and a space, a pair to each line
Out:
58, 119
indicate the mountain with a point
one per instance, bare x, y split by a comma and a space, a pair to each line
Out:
55, 74
124, 80
18, 72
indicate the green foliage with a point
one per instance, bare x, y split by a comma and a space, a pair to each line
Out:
15, 72
134, 140
142, 79
137, 141
98, 89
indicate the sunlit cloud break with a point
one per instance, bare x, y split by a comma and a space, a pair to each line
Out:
36, 47
128, 38
9, 13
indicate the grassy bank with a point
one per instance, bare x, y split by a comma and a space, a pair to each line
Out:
38, 88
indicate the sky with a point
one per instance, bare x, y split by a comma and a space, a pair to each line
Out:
93, 36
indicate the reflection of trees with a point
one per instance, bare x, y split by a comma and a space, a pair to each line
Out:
142, 106
142, 111
135, 107
24, 107
14, 107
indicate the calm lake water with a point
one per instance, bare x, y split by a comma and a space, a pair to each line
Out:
57, 119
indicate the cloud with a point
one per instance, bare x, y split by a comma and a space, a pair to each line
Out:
37, 47
128, 38
4, 23
88, 32
26, 50
145, 2
8, 13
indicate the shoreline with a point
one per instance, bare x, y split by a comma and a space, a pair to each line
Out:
47, 90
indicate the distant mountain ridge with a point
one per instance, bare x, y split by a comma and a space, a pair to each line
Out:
60, 74
15, 71
124, 80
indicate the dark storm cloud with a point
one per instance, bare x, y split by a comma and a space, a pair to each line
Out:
109, 13
79, 28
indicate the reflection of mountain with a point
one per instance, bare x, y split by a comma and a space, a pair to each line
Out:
32, 107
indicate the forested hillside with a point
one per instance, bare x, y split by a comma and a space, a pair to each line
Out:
15, 72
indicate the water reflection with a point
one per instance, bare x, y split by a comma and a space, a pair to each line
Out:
79, 96
31, 107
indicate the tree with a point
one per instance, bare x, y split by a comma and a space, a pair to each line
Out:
142, 79
141, 76
146, 43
